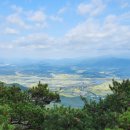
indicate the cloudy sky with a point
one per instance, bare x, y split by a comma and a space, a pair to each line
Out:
64, 28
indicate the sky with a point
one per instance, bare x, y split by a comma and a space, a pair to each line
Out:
56, 29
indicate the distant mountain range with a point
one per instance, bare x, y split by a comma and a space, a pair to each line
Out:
100, 68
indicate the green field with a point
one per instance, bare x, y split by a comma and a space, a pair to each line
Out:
66, 84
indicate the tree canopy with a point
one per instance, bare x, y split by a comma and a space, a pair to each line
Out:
25, 110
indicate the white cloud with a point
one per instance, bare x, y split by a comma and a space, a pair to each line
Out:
16, 20
89, 38
30, 20
95, 7
17, 9
106, 35
85, 8
56, 18
38, 19
38, 16
11, 31
62, 10
35, 40
4, 46
124, 5
111, 37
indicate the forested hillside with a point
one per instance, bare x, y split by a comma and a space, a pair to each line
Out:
26, 110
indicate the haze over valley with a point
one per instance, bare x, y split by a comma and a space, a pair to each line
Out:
71, 78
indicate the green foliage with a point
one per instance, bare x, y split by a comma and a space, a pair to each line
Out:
106, 112
25, 109
114, 129
119, 101
101, 116
4, 118
66, 118
57, 118
12, 95
124, 120
42, 96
